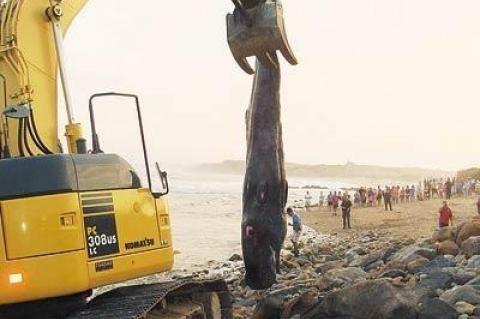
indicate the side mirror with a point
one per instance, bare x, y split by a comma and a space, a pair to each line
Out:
164, 179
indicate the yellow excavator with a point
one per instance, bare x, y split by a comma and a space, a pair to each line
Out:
71, 222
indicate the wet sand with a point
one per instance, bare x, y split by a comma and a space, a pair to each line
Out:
414, 220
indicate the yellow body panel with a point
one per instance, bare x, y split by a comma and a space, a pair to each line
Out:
42, 225
44, 277
49, 241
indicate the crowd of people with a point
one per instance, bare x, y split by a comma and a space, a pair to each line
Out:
389, 196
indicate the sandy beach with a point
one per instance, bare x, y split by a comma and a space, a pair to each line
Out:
416, 220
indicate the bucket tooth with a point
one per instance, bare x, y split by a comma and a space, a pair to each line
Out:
287, 51
244, 65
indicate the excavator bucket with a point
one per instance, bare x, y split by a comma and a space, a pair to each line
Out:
258, 31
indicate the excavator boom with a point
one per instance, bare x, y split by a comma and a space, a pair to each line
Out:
28, 68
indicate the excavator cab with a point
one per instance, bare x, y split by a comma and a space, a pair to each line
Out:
73, 222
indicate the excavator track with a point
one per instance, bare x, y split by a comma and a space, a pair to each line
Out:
162, 300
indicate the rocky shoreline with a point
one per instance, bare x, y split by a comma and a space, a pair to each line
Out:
366, 275
362, 275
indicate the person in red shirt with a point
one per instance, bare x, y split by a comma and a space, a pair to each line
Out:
445, 216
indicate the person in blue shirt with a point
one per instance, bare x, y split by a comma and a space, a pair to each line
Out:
297, 230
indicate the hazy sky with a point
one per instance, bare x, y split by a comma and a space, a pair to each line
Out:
390, 82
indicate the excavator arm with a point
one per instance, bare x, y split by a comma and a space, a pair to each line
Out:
29, 61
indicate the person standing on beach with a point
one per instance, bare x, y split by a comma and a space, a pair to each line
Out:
297, 230
445, 217
308, 200
448, 188
335, 202
330, 201
346, 211
379, 196
321, 200
387, 198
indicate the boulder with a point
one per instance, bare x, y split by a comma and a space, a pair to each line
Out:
393, 273
436, 280
376, 299
348, 276
471, 246
410, 253
467, 230
437, 264
474, 262
447, 247
436, 309
464, 307
460, 275
375, 266
474, 282
269, 308
443, 234
328, 266
417, 263
235, 257
467, 293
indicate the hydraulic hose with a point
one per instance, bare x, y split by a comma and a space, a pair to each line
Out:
20, 138
37, 138
25, 137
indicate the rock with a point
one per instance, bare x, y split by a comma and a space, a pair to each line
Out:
464, 307
474, 262
328, 266
460, 275
417, 263
299, 305
467, 230
410, 253
367, 300
447, 247
370, 259
464, 316
374, 266
436, 309
467, 293
476, 312
393, 273
291, 264
390, 251
471, 246
356, 251
396, 264
349, 275
438, 263
474, 282
269, 308
235, 257
436, 280
443, 234
326, 283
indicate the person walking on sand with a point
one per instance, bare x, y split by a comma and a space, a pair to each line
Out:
297, 230
346, 211
387, 198
445, 217
321, 200
335, 202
